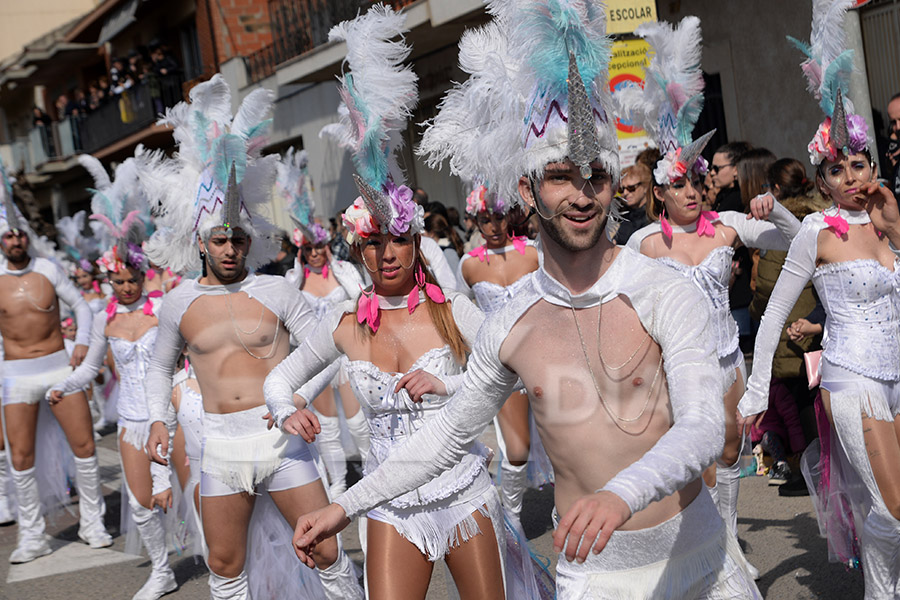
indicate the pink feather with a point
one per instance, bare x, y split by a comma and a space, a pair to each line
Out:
105, 220
813, 72
676, 92
356, 118
127, 222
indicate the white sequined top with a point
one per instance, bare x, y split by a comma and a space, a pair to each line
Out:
712, 275
861, 300
691, 368
392, 417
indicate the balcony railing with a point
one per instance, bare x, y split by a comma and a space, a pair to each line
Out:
131, 111
298, 26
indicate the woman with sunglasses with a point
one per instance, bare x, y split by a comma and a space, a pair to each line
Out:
490, 274
849, 250
325, 283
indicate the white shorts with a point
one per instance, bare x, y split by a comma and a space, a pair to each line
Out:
26, 381
241, 455
691, 556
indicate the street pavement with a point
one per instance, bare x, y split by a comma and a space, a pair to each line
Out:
779, 534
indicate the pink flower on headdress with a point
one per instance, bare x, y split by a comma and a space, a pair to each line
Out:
359, 222
821, 147
670, 168
701, 167
297, 238
475, 202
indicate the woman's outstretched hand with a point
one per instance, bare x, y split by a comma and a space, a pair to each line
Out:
316, 527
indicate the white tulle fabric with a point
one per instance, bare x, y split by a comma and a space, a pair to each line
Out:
275, 293
713, 273
691, 369
861, 306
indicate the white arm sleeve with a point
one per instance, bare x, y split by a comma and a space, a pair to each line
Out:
81, 377
310, 390
295, 276
169, 344
797, 271
293, 310
68, 293
461, 284
316, 353
444, 439
774, 234
438, 264
693, 376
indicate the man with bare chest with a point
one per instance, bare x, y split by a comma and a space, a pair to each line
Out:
613, 349
237, 326
34, 360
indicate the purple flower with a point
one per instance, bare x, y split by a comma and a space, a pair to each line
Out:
857, 128
135, 257
403, 208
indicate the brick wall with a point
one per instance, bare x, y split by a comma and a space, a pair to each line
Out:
241, 26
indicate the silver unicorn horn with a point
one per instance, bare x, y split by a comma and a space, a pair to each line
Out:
691, 152
231, 212
840, 137
584, 143
376, 201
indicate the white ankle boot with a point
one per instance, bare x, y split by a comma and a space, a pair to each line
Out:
162, 579
91, 504
340, 580
32, 541
359, 431
329, 442
513, 482
7, 514
229, 588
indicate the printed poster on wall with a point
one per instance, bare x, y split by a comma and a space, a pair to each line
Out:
629, 57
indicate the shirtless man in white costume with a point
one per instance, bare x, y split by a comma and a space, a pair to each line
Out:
620, 370
31, 289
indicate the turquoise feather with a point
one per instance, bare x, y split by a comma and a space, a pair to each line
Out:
228, 149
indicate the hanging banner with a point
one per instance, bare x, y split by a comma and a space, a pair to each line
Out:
629, 58
624, 16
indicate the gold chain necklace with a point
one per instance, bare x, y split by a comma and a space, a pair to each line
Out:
616, 418
32, 301
238, 331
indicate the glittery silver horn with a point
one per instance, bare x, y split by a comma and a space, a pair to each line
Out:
9, 207
840, 137
376, 201
691, 152
304, 229
584, 143
231, 211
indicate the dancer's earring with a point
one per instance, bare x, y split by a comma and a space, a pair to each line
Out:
203, 263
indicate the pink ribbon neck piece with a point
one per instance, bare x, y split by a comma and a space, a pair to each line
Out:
519, 243
705, 223
483, 254
111, 308
151, 274
95, 286
838, 224
367, 310
323, 271
480, 253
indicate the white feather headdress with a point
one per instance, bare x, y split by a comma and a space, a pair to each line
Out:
192, 189
827, 69
470, 118
295, 190
11, 218
378, 94
79, 249
670, 102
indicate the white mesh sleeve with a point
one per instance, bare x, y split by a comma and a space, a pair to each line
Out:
81, 377
774, 234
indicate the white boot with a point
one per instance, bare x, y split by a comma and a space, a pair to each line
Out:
329, 442
728, 485
7, 514
513, 481
714, 494
229, 588
32, 541
359, 431
162, 579
91, 504
880, 549
340, 580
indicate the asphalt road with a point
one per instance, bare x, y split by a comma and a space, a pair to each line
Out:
780, 537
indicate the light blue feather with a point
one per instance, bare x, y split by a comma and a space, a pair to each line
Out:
7, 183
801, 46
837, 75
259, 129
559, 29
201, 134
106, 206
228, 149
687, 118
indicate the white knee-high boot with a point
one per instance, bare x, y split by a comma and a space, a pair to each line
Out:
162, 579
513, 482
329, 442
91, 504
359, 431
340, 580
880, 549
7, 514
32, 541
728, 481
229, 588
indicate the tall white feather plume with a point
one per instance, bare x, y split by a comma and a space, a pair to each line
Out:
96, 170
378, 93
71, 238
669, 104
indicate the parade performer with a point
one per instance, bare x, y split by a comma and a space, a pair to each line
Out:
406, 340
210, 196
325, 283
490, 272
698, 244
128, 328
31, 288
82, 251
850, 252
650, 529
